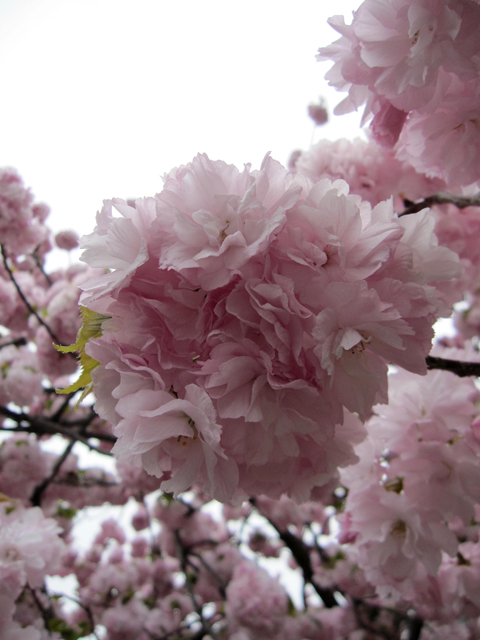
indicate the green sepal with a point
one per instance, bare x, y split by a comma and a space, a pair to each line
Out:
91, 328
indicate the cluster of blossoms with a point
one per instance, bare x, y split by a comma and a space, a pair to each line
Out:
458, 230
248, 314
416, 67
372, 172
416, 490
30, 548
21, 220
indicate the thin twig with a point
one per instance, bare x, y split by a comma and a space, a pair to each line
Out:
47, 613
154, 547
85, 421
211, 571
442, 197
63, 407
85, 607
301, 555
22, 296
183, 557
36, 496
40, 267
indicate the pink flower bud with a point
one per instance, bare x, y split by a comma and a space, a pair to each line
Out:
67, 240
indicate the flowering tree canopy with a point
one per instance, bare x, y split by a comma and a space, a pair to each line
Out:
255, 353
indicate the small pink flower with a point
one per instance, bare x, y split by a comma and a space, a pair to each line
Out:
174, 438
67, 240
255, 602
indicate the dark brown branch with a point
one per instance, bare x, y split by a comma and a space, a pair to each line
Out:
154, 546
461, 369
301, 555
36, 497
415, 628
18, 342
366, 615
40, 267
63, 407
103, 437
85, 607
182, 555
57, 431
47, 612
220, 583
442, 197
42, 426
22, 296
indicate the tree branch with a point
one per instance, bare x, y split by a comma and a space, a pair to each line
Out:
36, 496
461, 369
18, 342
63, 407
301, 554
220, 583
415, 628
43, 426
22, 296
442, 197
182, 555
40, 267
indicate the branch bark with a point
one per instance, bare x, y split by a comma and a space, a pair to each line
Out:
301, 554
182, 555
461, 369
36, 497
23, 298
442, 197
42, 426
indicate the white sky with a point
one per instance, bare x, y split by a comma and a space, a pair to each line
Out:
101, 97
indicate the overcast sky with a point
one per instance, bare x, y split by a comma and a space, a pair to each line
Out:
102, 97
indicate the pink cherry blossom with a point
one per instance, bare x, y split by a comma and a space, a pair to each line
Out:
444, 142
415, 66
182, 431
240, 368
67, 240
30, 547
417, 473
371, 172
221, 218
20, 229
256, 602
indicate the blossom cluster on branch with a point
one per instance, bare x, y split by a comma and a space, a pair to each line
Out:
247, 311
262, 338
416, 67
